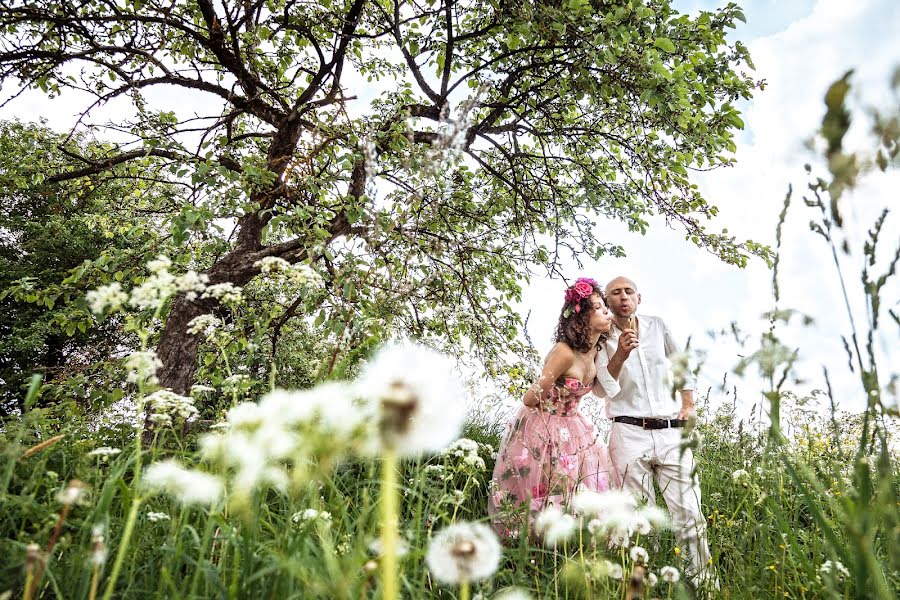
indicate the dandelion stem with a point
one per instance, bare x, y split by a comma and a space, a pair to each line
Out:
95, 582
389, 523
464, 589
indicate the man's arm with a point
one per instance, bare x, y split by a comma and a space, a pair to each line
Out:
688, 410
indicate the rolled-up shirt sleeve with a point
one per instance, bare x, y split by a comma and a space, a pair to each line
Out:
605, 386
680, 360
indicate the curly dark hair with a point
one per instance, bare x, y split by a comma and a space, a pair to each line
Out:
574, 329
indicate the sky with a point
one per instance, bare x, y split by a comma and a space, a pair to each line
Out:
798, 47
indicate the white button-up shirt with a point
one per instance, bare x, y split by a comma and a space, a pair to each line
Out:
644, 388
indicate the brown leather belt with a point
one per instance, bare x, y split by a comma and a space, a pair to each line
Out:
648, 423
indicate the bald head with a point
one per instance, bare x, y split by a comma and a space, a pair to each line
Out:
619, 282
622, 297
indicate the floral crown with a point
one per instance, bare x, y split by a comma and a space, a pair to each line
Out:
583, 288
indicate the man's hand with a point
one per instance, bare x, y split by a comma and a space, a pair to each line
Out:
688, 412
628, 341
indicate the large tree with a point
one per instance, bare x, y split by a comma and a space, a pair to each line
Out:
426, 156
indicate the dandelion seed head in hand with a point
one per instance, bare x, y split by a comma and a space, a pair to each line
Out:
414, 397
463, 552
669, 574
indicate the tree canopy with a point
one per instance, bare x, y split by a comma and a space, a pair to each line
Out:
425, 157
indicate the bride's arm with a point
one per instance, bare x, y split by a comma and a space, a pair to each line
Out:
560, 360
605, 385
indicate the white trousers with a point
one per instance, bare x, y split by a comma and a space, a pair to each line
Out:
641, 455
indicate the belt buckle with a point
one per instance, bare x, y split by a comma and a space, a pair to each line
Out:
644, 421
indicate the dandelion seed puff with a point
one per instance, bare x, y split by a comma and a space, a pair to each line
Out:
98, 546
414, 397
741, 477
376, 547
669, 574
554, 526
75, 492
614, 570
657, 517
602, 504
640, 524
186, 485
652, 579
639, 555
463, 552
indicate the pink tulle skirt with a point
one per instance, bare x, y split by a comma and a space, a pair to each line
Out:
544, 459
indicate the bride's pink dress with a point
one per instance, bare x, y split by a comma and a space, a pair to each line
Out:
548, 452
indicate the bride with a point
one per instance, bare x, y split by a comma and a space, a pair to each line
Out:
550, 449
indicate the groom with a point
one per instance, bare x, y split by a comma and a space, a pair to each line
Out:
645, 438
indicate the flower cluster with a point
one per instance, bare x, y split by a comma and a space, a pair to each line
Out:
407, 398
153, 292
187, 485
582, 289
299, 273
142, 367
166, 404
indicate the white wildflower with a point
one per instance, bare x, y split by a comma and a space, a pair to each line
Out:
272, 264
156, 517
311, 514
413, 397
154, 291
652, 579
192, 283
741, 477
186, 485
199, 388
74, 493
161, 263
639, 555
669, 574
104, 451
554, 526
837, 567
226, 292
233, 382
106, 297
205, 324
142, 366
463, 552
166, 404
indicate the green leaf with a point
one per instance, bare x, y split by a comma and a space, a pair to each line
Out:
664, 44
